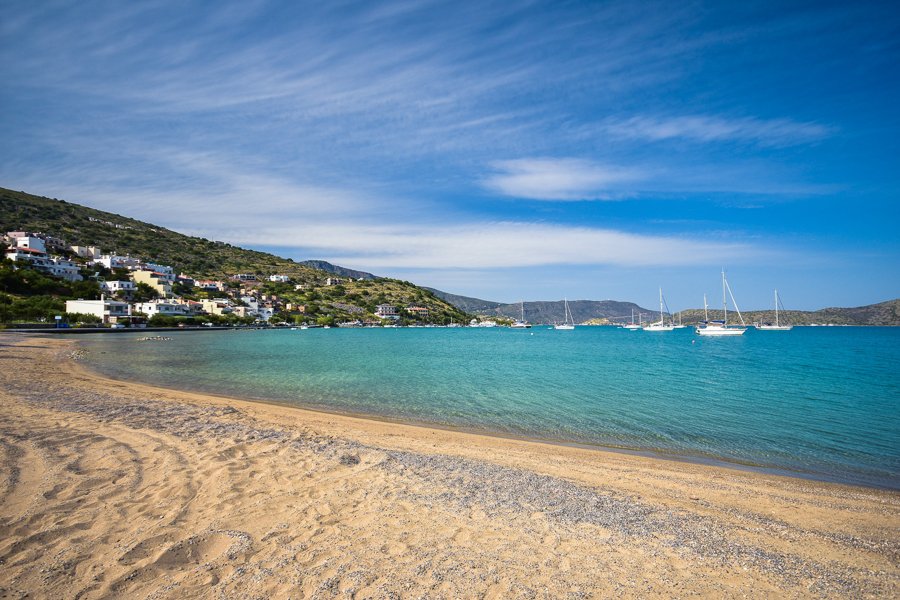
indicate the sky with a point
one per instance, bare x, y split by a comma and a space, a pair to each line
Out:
502, 150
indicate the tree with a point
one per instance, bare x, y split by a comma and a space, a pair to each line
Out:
144, 292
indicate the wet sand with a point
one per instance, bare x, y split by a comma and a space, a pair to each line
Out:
117, 489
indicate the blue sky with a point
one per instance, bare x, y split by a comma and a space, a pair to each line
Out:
504, 150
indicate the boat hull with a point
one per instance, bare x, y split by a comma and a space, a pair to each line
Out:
719, 331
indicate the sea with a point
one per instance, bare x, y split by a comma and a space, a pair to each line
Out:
815, 402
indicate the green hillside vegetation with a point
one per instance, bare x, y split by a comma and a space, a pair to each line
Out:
115, 234
198, 258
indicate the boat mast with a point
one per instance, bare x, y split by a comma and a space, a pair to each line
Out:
724, 303
661, 322
705, 309
776, 308
733, 301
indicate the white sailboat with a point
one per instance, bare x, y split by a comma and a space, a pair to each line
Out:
570, 322
632, 326
721, 328
680, 324
661, 325
521, 323
777, 326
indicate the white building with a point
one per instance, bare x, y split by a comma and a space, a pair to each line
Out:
64, 269
38, 259
111, 261
279, 278
160, 307
34, 243
127, 287
386, 311
108, 311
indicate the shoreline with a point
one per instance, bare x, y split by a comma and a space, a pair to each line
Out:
650, 453
115, 487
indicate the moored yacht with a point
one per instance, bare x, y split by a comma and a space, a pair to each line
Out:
721, 328
777, 326
661, 325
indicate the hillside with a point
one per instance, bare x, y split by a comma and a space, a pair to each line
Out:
326, 266
202, 258
881, 314
582, 311
472, 305
116, 234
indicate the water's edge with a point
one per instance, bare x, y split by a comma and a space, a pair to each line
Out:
95, 368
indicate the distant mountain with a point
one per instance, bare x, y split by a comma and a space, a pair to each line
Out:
465, 303
582, 311
337, 270
881, 314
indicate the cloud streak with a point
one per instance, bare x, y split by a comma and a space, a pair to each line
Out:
708, 128
563, 179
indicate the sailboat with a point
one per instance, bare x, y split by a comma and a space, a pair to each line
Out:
570, 322
661, 325
777, 326
721, 328
521, 323
632, 326
680, 324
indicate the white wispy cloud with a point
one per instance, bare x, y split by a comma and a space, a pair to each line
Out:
707, 128
559, 179
491, 245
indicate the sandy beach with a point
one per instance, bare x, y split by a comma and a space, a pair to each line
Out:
112, 489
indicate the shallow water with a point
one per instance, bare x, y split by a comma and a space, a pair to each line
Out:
815, 401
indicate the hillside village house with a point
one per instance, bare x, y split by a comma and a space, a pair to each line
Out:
90, 252
161, 307
208, 285
33, 251
112, 287
419, 311
108, 311
158, 280
219, 306
26, 240
111, 261
386, 311
279, 278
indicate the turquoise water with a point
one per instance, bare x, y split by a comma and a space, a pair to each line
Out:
817, 402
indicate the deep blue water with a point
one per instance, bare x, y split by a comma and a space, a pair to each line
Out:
815, 401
